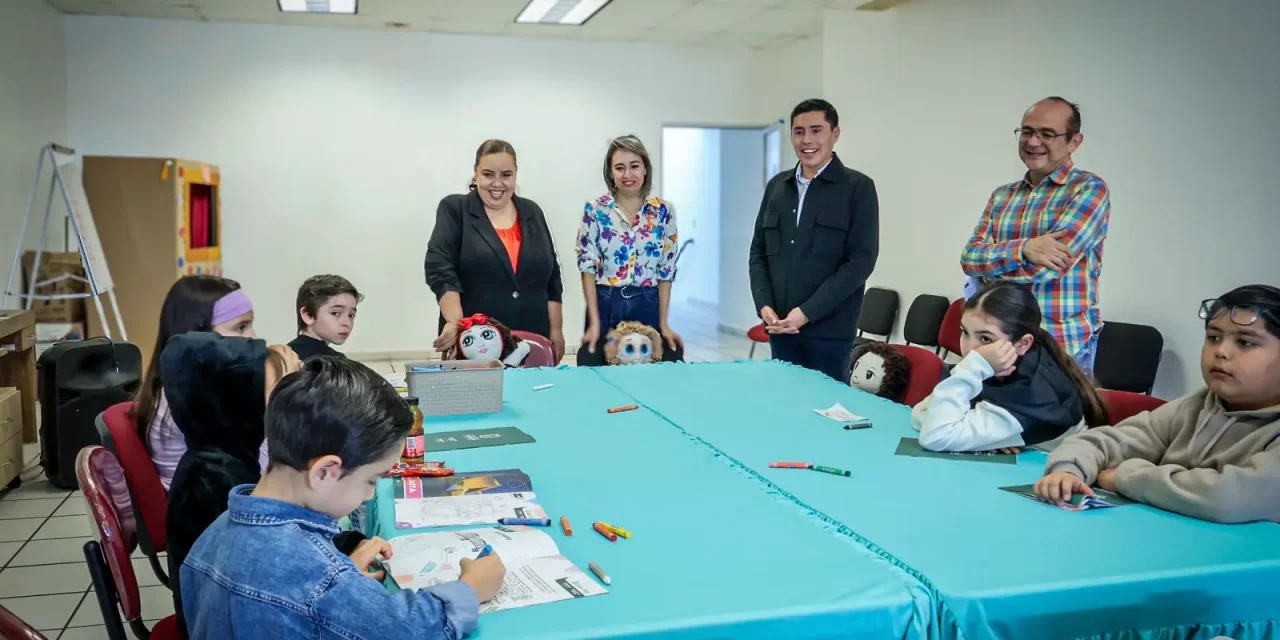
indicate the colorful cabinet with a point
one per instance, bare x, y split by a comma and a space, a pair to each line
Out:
159, 219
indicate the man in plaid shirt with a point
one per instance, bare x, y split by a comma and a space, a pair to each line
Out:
1047, 229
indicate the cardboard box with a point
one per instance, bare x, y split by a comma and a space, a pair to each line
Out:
51, 333
64, 269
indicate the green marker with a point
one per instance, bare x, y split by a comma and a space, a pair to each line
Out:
831, 470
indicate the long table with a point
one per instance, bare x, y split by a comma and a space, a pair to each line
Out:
998, 565
714, 553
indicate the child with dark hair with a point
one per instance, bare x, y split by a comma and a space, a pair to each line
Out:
194, 303
326, 308
1213, 455
1015, 385
335, 428
217, 389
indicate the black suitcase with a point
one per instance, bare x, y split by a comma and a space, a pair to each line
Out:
76, 381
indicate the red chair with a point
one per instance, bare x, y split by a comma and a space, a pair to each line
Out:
926, 372
13, 628
110, 570
541, 352
949, 332
757, 335
150, 502
1122, 405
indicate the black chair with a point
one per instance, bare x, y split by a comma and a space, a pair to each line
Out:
924, 319
1128, 357
878, 315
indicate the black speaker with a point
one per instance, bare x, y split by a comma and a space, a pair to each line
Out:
76, 381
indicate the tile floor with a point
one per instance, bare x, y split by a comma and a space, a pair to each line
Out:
44, 579
43, 576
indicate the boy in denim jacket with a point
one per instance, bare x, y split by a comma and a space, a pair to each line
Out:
267, 568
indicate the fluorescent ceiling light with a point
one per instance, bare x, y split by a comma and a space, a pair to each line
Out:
318, 6
568, 12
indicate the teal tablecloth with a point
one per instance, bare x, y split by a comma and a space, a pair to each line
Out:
999, 565
714, 553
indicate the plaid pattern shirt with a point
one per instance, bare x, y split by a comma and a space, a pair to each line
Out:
1069, 200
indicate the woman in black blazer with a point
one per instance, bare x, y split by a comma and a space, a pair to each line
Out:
491, 252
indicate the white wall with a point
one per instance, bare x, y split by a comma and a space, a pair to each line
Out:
33, 112
336, 145
781, 79
690, 173
742, 187
1178, 105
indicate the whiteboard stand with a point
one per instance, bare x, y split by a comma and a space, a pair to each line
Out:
81, 219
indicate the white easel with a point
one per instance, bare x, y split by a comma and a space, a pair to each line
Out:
81, 219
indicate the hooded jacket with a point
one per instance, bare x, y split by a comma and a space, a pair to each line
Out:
1191, 456
216, 388
1038, 404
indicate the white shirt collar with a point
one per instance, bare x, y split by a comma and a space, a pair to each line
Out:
800, 171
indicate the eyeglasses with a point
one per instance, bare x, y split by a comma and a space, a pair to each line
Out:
1243, 315
1045, 135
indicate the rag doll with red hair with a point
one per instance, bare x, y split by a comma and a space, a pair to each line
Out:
483, 338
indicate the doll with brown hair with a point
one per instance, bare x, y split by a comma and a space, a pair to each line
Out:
483, 338
633, 343
881, 370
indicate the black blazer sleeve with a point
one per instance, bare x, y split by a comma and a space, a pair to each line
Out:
758, 261
444, 248
555, 286
861, 248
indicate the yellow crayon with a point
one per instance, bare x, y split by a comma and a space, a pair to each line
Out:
616, 530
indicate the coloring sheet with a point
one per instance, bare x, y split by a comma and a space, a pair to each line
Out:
536, 572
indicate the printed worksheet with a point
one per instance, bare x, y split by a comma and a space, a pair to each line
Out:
485, 508
536, 572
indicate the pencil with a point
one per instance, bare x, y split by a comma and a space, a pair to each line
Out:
630, 407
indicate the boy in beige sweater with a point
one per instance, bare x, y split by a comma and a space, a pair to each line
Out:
1214, 454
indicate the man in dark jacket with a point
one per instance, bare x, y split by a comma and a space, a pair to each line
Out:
816, 240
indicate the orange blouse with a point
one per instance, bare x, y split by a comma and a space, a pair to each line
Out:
511, 239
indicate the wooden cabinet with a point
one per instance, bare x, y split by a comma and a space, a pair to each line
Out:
159, 219
10, 434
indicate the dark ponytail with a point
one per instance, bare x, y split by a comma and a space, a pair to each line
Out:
1095, 413
1015, 308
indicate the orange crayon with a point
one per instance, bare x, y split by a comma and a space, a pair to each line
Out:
564, 524
602, 530
630, 407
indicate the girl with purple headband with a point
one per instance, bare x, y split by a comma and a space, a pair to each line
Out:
194, 303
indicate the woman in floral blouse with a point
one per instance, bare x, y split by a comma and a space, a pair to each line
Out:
627, 248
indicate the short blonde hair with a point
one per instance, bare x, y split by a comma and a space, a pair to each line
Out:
632, 144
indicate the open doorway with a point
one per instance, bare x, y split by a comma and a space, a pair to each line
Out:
715, 177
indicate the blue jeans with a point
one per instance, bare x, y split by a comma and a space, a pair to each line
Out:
1088, 354
617, 304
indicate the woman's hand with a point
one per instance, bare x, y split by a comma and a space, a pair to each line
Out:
557, 341
591, 336
671, 338
448, 337
369, 552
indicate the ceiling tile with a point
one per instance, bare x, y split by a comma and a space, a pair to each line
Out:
675, 37
779, 22
623, 14
711, 18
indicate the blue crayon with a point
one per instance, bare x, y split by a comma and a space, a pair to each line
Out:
528, 522
488, 549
